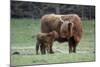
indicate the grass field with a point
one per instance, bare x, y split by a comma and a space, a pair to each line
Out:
22, 31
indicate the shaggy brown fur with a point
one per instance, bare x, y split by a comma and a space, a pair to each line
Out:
44, 41
68, 27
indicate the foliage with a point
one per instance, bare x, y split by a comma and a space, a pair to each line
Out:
20, 9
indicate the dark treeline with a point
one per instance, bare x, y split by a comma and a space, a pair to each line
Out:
20, 9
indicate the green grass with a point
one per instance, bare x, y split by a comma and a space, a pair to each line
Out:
49, 59
22, 31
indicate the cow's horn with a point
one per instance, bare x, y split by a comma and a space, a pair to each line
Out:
61, 20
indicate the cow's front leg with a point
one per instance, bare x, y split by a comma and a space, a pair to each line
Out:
74, 48
71, 44
70, 47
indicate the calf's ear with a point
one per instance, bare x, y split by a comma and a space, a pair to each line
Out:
49, 34
55, 34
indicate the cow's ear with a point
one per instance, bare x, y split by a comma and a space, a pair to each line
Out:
70, 28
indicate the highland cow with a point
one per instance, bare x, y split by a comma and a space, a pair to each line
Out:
44, 42
68, 27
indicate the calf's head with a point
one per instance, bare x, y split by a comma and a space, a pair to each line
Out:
47, 37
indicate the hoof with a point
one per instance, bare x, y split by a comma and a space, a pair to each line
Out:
51, 52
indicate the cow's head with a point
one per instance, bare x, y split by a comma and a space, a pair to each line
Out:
66, 29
